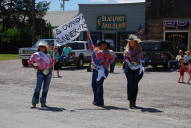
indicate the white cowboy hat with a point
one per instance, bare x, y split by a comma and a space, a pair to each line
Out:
43, 43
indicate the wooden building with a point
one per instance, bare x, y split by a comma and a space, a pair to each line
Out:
169, 20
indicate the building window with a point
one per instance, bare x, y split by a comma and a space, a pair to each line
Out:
96, 36
179, 39
121, 42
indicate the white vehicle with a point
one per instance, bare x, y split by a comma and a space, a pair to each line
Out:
80, 53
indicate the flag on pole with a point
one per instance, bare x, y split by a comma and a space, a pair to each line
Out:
68, 32
140, 31
90, 42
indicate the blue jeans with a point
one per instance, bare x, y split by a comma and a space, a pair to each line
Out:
133, 78
97, 87
41, 80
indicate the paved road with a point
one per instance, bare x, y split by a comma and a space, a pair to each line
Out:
163, 103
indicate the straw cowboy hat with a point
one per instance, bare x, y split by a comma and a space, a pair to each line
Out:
133, 37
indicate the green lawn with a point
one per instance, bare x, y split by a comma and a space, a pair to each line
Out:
9, 56
119, 64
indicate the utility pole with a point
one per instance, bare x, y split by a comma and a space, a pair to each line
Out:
62, 4
33, 20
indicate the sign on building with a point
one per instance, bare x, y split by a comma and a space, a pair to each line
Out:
111, 22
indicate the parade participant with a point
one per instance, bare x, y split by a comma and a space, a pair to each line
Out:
133, 69
112, 66
66, 53
189, 72
181, 71
66, 50
187, 57
180, 55
101, 59
57, 64
50, 50
43, 63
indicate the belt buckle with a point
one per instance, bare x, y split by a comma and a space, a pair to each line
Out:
46, 71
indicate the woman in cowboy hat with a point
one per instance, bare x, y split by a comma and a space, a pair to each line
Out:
58, 58
43, 63
101, 59
133, 69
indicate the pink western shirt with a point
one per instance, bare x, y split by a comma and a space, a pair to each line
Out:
41, 63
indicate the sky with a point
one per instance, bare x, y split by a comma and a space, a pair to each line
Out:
73, 4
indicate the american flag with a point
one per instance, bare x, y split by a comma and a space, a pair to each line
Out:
89, 42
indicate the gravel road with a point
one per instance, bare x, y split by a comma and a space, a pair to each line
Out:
163, 102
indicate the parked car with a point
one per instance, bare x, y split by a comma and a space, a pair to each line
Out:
158, 53
80, 53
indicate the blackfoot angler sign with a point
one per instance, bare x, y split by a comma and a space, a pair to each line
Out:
111, 22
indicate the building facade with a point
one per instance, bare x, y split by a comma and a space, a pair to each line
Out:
113, 22
169, 20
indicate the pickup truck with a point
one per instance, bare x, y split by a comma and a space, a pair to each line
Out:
80, 53
158, 53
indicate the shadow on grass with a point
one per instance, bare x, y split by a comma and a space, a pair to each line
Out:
105, 108
114, 108
159, 69
73, 68
151, 110
52, 109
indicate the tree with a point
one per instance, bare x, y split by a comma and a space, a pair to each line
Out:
18, 15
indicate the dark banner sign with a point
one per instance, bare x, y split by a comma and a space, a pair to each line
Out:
111, 22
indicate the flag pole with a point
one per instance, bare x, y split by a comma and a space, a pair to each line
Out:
53, 55
89, 34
